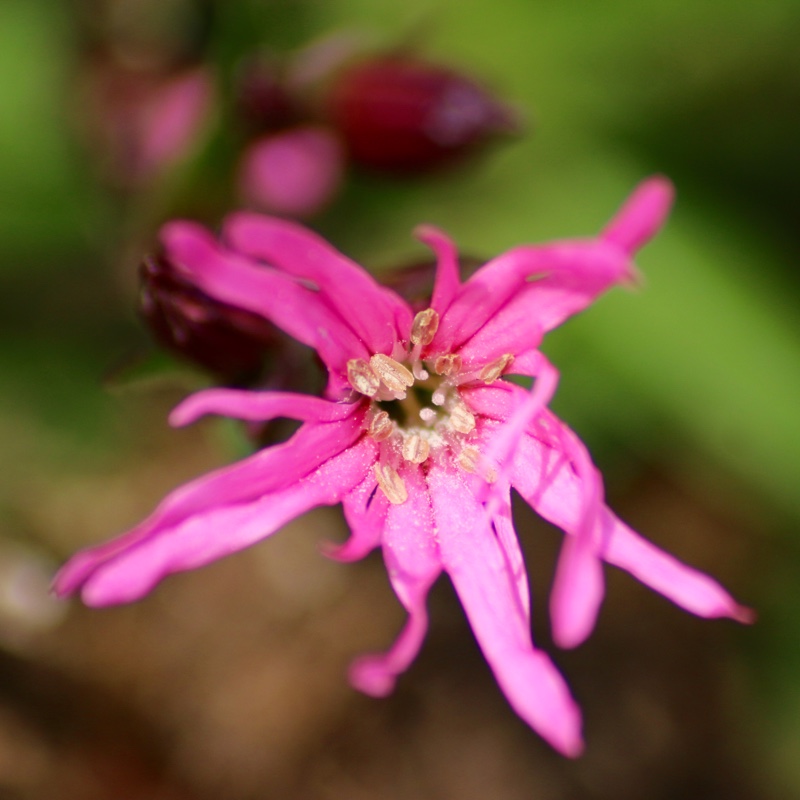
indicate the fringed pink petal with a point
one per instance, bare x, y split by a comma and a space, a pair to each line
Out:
508, 304
545, 476
685, 586
578, 587
503, 527
212, 534
270, 470
365, 510
499, 449
543, 284
642, 214
472, 556
259, 406
447, 281
369, 308
296, 308
413, 564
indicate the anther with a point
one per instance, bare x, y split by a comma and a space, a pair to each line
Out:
449, 364
415, 449
461, 418
391, 484
468, 459
362, 377
380, 426
491, 372
424, 327
391, 373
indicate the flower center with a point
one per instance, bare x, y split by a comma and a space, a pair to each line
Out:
416, 410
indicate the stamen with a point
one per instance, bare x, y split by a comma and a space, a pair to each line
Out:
427, 415
491, 372
449, 364
391, 373
438, 397
415, 449
391, 484
420, 373
362, 378
461, 418
380, 426
424, 327
468, 459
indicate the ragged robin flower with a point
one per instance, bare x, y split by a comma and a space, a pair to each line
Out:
421, 437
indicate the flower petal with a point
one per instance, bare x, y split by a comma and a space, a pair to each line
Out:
537, 287
545, 477
685, 586
578, 587
472, 556
366, 305
270, 470
447, 281
365, 510
220, 531
413, 564
507, 305
258, 406
642, 214
299, 310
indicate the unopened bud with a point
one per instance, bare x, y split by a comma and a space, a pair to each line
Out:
225, 340
403, 115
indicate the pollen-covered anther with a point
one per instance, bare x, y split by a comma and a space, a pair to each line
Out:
447, 365
392, 374
491, 372
362, 377
415, 449
380, 426
424, 327
461, 418
468, 459
392, 485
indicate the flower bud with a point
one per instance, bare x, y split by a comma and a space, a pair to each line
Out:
262, 100
403, 115
227, 341
295, 172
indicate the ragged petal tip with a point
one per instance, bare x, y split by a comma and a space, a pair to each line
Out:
369, 675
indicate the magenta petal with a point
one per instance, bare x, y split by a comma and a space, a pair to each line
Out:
447, 281
684, 585
642, 214
412, 561
471, 555
295, 308
368, 307
546, 479
220, 531
365, 509
259, 406
269, 470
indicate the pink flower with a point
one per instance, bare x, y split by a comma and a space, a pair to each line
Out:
421, 439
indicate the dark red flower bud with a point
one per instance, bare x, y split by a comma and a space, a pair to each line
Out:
227, 341
398, 114
262, 99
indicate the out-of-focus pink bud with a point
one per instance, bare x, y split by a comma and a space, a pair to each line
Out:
227, 341
294, 172
398, 114
138, 123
